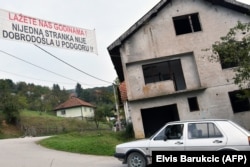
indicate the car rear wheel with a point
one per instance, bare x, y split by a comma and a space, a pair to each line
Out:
136, 159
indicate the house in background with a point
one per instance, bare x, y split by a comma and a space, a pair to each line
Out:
167, 75
75, 108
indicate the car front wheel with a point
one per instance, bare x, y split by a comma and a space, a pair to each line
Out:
136, 159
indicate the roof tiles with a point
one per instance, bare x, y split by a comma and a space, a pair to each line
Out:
73, 102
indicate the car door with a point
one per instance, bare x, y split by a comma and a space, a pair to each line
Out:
169, 138
204, 136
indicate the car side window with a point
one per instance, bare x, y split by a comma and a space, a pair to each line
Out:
171, 132
203, 130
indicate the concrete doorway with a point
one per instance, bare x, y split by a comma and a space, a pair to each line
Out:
154, 118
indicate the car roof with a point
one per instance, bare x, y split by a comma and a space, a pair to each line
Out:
198, 120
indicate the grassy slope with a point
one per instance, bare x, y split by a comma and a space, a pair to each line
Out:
95, 142
9, 131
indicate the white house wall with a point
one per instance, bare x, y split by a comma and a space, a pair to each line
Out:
81, 112
157, 41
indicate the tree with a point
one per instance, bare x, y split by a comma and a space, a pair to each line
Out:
55, 97
234, 51
10, 107
79, 90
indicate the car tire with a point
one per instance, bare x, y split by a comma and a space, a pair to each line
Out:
136, 159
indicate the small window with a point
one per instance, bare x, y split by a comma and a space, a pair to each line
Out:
203, 130
63, 112
239, 101
229, 59
193, 104
225, 65
187, 24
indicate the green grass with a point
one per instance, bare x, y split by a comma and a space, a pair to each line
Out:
47, 124
83, 141
94, 142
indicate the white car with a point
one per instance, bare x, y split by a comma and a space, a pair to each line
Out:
197, 135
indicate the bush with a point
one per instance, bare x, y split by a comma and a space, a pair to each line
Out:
10, 109
129, 131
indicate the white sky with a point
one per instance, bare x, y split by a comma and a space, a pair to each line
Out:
110, 18
245, 1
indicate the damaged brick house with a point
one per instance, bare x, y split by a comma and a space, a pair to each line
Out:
161, 60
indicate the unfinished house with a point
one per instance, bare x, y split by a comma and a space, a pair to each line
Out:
162, 61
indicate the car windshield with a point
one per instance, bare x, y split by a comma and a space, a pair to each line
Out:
161, 129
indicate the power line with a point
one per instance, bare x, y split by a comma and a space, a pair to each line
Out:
71, 65
36, 65
24, 76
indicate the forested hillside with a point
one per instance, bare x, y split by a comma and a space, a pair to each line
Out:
23, 95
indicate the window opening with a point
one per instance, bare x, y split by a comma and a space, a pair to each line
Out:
187, 24
239, 101
193, 104
63, 112
162, 71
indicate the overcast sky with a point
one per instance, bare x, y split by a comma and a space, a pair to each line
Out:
109, 18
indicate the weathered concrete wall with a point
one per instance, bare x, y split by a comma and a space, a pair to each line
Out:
139, 90
157, 41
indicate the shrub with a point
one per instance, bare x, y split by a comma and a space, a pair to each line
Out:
129, 131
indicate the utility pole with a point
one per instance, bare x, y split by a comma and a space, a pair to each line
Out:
117, 106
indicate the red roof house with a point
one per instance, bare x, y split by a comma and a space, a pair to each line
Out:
75, 108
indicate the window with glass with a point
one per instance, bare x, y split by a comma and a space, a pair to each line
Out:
203, 130
171, 132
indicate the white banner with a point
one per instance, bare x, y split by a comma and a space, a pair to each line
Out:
23, 28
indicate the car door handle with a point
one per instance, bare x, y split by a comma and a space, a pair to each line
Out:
217, 141
179, 142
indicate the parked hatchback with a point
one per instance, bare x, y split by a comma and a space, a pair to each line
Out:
204, 135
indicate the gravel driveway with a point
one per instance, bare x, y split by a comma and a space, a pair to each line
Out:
24, 152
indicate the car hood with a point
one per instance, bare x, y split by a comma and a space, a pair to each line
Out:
137, 143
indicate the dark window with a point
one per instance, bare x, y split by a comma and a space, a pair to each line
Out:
187, 24
203, 130
193, 104
228, 58
63, 112
227, 61
156, 72
225, 65
167, 70
239, 101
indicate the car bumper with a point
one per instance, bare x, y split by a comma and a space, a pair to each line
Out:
120, 156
